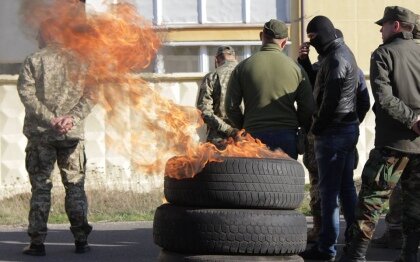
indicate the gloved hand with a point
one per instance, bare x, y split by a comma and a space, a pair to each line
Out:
231, 132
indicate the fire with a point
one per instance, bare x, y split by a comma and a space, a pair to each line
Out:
141, 124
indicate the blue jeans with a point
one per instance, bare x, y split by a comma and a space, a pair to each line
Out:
334, 152
284, 139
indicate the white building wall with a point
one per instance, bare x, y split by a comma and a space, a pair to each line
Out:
105, 169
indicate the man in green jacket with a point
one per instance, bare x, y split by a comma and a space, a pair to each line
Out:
269, 83
395, 81
211, 98
51, 88
392, 237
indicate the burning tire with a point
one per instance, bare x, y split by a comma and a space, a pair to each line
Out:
229, 231
241, 183
166, 256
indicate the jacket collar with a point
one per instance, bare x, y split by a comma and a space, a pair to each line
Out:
271, 47
333, 45
403, 35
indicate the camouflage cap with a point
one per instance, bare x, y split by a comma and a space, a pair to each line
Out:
225, 49
397, 13
276, 29
416, 30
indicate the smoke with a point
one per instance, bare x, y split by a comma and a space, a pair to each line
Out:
141, 124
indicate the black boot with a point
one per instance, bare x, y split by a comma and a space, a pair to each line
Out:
80, 234
355, 252
34, 250
81, 247
390, 239
315, 254
410, 247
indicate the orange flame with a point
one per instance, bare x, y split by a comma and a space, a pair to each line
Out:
142, 125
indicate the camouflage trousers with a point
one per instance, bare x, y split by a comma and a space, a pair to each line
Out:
70, 157
381, 173
310, 163
394, 215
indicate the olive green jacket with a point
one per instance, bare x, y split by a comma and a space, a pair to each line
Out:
269, 83
395, 81
51, 84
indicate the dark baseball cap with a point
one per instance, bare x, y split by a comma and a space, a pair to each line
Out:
276, 29
397, 13
416, 30
225, 49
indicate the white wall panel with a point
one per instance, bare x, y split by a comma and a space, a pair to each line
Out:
264, 10
179, 11
145, 8
224, 11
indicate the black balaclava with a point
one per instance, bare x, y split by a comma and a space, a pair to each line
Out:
325, 31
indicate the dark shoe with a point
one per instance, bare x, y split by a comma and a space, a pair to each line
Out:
392, 239
410, 248
314, 254
312, 235
354, 251
34, 250
82, 247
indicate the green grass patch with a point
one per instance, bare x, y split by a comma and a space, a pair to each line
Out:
104, 205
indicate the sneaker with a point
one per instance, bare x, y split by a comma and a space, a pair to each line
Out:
82, 247
314, 254
34, 250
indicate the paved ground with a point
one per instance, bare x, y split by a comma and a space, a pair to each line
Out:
112, 242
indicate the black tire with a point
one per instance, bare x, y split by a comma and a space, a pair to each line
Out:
241, 183
229, 231
166, 256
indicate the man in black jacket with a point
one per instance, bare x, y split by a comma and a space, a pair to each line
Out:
336, 130
395, 80
362, 107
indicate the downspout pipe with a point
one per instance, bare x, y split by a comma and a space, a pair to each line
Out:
302, 21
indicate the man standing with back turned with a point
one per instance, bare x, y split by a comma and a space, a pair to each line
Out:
51, 87
211, 99
269, 82
395, 81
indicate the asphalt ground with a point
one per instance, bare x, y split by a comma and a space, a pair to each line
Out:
126, 241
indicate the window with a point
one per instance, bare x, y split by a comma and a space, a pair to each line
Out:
178, 59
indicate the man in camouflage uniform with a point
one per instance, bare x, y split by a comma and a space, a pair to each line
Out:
211, 98
51, 88
395, 78
392, 237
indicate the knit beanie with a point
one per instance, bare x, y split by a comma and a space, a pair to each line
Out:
325, 31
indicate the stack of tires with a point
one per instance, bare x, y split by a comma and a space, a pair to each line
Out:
241, 209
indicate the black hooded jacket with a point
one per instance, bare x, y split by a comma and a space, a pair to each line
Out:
335, 88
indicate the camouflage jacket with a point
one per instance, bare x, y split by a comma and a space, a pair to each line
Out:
51, 84
211, 100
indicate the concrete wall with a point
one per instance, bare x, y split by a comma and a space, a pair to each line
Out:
105, 168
